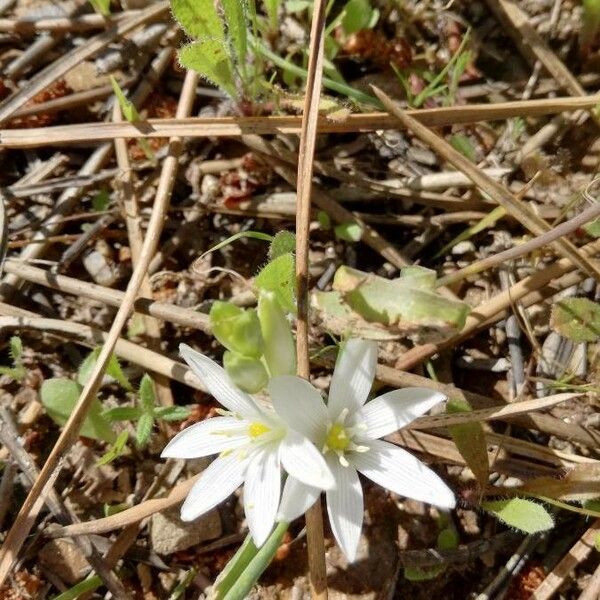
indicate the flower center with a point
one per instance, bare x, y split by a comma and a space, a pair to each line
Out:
256, 429
338, 439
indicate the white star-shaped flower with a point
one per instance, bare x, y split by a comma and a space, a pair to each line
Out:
348, 431
253, 443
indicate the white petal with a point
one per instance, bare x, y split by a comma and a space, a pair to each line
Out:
399, 471
301, 459
345, 508
296, 499
396, 409
300, 406
211, 436
220, 479
352, 377
262, 489
219, 384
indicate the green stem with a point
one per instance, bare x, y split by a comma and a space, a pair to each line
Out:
243, 584
235, 567
336, 86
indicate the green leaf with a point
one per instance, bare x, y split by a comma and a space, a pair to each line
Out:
127, 107
522, 514
211, 60
112, 509
593, 228
358, 15
146, 392
144, 429
279, 346
122, 413
16, 350
101, 6
172, 413
401, 304
464, 145
324, 220
115, 450
448, 539
272, 9
236, 328
91, 583
101, 200
597, 542
349, 232
590, 23
279, 277
470, 441
262, 559
113, 369
284, 242
577, 319
249, 374
59, 397
136, 326
236, 18
198, 18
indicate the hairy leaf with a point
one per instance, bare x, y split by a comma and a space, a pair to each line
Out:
279, 277
172, 413
144, 429
236, 17
198, 18
116, 450
122, 413
113, 369
211, 60
284, 242
147, 397
522, 514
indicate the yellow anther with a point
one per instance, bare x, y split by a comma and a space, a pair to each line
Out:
337, 438
256, 429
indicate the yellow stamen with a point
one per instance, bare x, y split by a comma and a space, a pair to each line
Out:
256, 429
337, 438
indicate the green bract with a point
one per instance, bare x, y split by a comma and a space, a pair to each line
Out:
279, 346
237, 329
246, 372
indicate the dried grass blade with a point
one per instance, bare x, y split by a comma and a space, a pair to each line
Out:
494, 189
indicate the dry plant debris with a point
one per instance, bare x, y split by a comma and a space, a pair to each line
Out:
425, 171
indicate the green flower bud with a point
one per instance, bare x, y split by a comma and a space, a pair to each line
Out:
237, 329
249, 374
